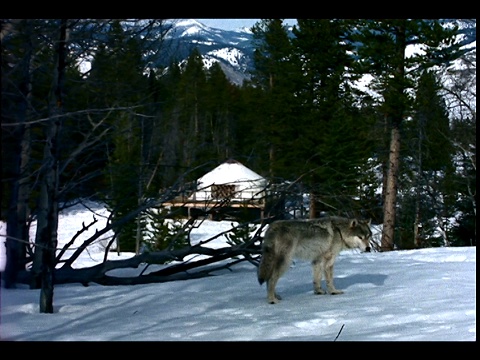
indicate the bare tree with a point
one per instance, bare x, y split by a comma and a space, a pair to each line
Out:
47, 220
16, 112
25, 44
215, 259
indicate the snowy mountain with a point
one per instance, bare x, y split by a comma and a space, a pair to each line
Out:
232, 49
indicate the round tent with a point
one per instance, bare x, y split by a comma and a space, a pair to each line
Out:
233, 180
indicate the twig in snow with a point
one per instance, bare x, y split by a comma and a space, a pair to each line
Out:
339, 332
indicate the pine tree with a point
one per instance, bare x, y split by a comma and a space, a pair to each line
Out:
191, 107
219, 117
381, 52
309, 120
422, 168
118, 81
334, 134
170, 126
276, 73
430, 117
463, 183
251, 116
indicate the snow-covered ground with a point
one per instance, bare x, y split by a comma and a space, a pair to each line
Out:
414, 295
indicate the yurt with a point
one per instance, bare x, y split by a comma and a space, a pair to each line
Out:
229, 191
231, 181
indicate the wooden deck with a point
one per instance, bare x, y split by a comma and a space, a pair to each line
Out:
218, 210
213, 204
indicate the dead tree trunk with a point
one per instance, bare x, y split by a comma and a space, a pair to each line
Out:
389, 209
395, 99
47, 223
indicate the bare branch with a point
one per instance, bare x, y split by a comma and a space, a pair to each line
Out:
72, 240
73, 113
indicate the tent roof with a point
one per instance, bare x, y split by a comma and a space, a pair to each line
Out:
230, 171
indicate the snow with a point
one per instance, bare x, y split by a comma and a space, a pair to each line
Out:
230, 172
192, 26
249, 184
410, 295
240, 25
230, 55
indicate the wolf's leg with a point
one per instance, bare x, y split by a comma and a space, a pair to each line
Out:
330, 260
279, 269
272, 296
317, 265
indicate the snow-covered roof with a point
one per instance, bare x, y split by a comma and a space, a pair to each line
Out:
248, 183
231, 171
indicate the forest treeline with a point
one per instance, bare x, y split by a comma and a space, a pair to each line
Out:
88, 112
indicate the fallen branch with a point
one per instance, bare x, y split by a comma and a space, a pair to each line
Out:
180, 271
339, 333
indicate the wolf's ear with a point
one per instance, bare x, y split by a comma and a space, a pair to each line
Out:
353, 223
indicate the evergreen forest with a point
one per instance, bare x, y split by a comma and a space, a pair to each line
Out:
88, 113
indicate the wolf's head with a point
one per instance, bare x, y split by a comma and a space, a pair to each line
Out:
358, 234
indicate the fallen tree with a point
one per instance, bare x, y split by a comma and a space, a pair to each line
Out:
178, 271
174, 265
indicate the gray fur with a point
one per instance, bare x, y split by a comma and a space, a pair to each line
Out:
317, 240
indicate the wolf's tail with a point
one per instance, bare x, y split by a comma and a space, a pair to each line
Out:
265, 269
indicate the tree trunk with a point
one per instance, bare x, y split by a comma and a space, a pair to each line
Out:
271, 160
389, 211
313, 206
417, 228
395, 100
17, 228
47, 224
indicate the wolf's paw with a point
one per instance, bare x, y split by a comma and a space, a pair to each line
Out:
319, 292
274, 301
336, 292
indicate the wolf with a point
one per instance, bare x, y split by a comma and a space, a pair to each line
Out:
318, 240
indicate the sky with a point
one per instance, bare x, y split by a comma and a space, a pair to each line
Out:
234, 24
409, 295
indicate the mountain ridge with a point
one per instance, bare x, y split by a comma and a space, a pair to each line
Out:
232, 49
